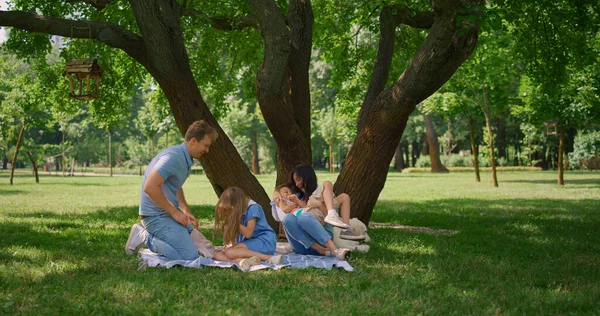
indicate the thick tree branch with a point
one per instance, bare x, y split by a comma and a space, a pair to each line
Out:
98, 4
389, 19
111, 34
224, 24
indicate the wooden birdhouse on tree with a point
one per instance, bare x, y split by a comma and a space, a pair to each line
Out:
85, 72
551, 128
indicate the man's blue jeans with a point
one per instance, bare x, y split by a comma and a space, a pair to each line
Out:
303, 231
169, 238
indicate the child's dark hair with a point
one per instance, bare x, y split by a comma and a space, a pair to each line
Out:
309, 178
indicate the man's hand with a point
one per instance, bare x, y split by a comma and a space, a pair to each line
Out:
181, 218
192, 220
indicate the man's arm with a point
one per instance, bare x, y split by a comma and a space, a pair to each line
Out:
184, 207
152, 189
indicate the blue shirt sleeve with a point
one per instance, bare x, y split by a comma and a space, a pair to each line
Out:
253, 211
166, 166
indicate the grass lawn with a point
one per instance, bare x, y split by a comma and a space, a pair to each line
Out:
528, 247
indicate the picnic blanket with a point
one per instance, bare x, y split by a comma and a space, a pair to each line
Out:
292, 260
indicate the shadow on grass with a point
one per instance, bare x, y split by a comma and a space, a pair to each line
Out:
11, 192
590, 183
512, 254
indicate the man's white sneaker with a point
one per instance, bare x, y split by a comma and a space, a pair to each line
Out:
341, 253
137, 239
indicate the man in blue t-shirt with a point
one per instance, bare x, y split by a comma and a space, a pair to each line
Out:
168, 224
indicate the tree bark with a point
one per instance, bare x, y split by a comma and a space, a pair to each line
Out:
381, 124
14, 160
33, 166
255, 163
474, 148
488, 122
434, 146
399, 163
561, 144
282, 86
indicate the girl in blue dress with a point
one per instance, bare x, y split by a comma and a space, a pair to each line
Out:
248, 237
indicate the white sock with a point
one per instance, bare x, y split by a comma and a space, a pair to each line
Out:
331, 212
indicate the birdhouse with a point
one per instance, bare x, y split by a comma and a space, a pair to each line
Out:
85, 72
552, 128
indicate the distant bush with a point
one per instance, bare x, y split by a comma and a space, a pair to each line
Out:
455, 160
423, 162
471, 169
586, 151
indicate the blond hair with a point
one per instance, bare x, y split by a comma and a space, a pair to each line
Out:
228, 214
199, 129
281, 186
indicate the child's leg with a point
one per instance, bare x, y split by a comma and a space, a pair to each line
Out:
240, 251
328, 195
222, 256
332, 216
344, 200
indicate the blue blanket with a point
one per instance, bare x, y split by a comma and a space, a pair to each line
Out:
291, 260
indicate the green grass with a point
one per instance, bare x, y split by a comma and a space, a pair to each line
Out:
527, 247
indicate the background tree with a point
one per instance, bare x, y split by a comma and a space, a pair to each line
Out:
555, 42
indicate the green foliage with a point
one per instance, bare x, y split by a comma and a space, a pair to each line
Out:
586, 151
138, 153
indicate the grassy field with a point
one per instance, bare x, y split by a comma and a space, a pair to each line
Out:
528, 247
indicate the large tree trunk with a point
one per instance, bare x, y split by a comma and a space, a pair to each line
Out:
254, 143
254, 139
33, 166
434, 146
488, 122
14, 160
165, 57
399, 163
474, 148
381, 123
561, 144
282, 85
